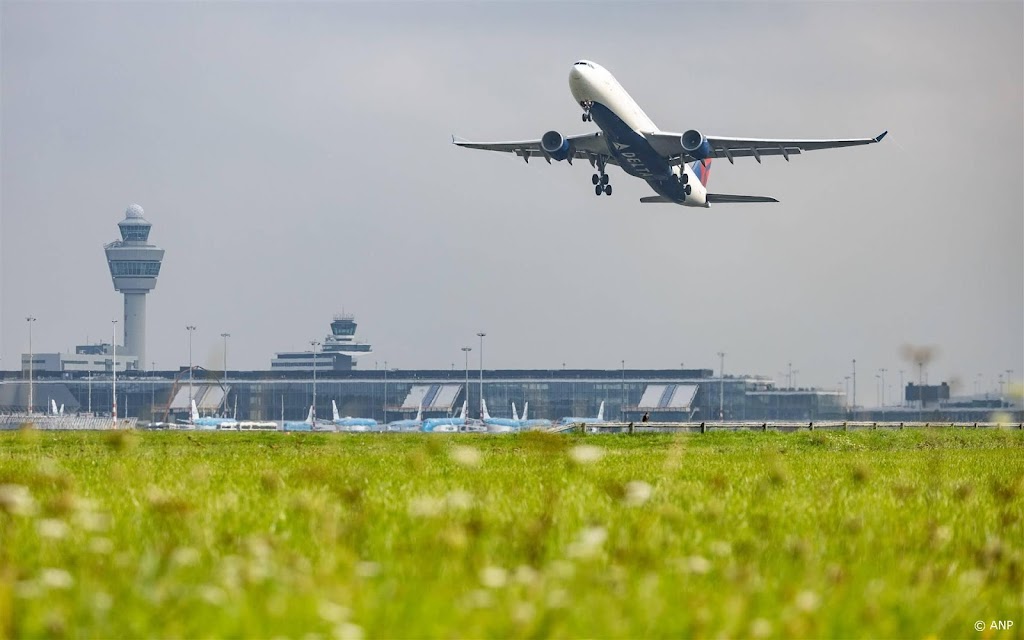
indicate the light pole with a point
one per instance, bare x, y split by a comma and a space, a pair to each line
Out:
903, 390
721, 387
314, 344
225, 336
846, 380
789, 379
481, 336
466, 351
855, 384
190, 328
882, 371
385, 394
31, 357
113, 389
622, 409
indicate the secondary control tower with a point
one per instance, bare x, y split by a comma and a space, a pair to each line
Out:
134, 267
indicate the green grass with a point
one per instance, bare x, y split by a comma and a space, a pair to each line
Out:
864, 534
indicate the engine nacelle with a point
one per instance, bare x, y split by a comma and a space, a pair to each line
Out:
695, 144
555, 145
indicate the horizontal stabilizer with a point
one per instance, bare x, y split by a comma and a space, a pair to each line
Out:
654, 199
714, 198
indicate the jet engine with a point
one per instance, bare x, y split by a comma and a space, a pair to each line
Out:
555, 145
695, 144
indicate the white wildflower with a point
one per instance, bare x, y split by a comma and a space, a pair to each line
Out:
185, 557
425, 506
557, 599
459, 500
101, 601
332, 612
525, 574
589, 542
698, 564
523, 612
56, 578
101, 546
637, 493
466, 456
807, 601
586, 453
212, 595
721, 548
17, 500
493, 577
52, 528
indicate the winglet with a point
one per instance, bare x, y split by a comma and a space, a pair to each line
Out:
881, 135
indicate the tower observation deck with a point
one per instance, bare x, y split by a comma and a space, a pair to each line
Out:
134, 266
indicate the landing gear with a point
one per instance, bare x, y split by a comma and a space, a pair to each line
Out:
596, 179
586, 111
687, 189
607, 189
601, 185
598, 190
604, 178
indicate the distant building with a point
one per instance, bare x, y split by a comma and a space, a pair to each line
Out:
337, 353
91, 358
926, 394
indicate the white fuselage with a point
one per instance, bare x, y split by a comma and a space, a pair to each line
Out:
624, 124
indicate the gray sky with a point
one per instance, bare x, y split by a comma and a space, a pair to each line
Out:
295, 160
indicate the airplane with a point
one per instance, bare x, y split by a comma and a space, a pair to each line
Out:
500, 425
629, 139
305, 425
446, 425
577, 420
530, 424
54, 410
351, 424
209, 423
408, 425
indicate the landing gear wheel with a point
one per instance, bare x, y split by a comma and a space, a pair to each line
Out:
607, 189
685, 177
604, 178
598, 190
687, 189
584, 117
596, 179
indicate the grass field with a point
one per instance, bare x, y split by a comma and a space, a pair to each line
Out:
866, 534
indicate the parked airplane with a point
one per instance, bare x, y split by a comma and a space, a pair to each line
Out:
408, 425
305, 425
577, 420
54, 410
349, 423
210, 422
538, 423
446, 425
629, 139
500, 425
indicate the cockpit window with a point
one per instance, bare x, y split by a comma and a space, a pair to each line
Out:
583, 64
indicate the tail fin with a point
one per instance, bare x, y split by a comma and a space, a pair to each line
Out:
515, 414
53, 406
61, 411
526, 407
194, 414
702, 169
309, 417
483, 409
600, 412
334, 408
465, 407
419, 413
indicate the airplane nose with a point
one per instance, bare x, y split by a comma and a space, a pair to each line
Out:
575, 75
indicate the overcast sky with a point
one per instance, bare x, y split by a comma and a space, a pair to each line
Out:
295, 160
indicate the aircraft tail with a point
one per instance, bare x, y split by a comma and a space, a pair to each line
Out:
702, 169
515, 414
194, 413
465, 407
526, 407
61, 411
600, 412
483, 409
309, 416
334, 408
419, 413
53, 406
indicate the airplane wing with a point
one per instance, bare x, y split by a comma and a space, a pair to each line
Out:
670, 146
587, 146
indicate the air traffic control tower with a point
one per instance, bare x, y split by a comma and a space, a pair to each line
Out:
134, 267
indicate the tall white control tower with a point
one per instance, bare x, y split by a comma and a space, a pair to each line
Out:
134, 267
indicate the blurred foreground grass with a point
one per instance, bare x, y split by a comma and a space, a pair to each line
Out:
865, 534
